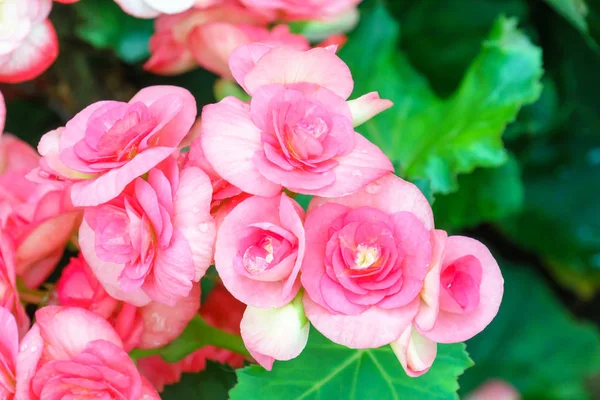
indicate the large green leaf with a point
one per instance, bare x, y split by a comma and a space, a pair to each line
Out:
211, 384
326, 370
105, 26
534, 343
434, 139
486, 195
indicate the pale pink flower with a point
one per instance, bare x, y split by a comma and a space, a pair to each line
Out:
9, 347
465, 292
415, 352
303, 9
9, 296
109, 144
154, 240
151, 326
367, 255
221, 310
259, 250
208, 36
154, 8
297, 132
28, 41
38, 217
71, 352
495, 389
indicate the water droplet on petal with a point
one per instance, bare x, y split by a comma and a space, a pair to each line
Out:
24, 347
357, 173
373, 188
33, 349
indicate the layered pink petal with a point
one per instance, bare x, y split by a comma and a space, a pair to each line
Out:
451, 327
34, 55
375, 327
289, 66
9, 347
29, 355
390, 194
230, 140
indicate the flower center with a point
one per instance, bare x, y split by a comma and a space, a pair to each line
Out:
366, 256
257, 258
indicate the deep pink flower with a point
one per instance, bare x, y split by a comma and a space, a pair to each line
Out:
367, 255
468, 288
221, 310
297, 132
151, 326
154, 240
9, 347
28, 41
303, 9
38, 217
9, 296
259, 250
71, 352
109, 144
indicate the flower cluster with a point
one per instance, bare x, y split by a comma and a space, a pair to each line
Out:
152, 197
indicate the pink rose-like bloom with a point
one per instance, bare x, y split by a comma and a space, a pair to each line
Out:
9, 347
9, 296
259, 250
28, 41
465, 292
151, 326
297, 132
303, 9
37, 216
367, 255
221, 310
73, 353
207, 37
109, 144
156, 239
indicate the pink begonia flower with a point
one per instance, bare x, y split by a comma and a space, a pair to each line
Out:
109, 144
221, 310
151, 326
259, 250
367, 255
303, 9
9, 347
71, 352
154, 8
275, 333
469, 292
495, 389
297, 132
207, 37
28, 41
38, 217
9, 296
156, 239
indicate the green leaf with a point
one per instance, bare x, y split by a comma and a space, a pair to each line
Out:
434, 139
105, 26
213, 383
486, 195
534, 343
583, 15
326, 370
441, 38
196, 335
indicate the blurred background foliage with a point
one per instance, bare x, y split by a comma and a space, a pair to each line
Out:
496, 118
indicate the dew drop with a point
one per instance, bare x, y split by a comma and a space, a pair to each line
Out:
203, 227
33, 349
373, 188
357, 173
24, 347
